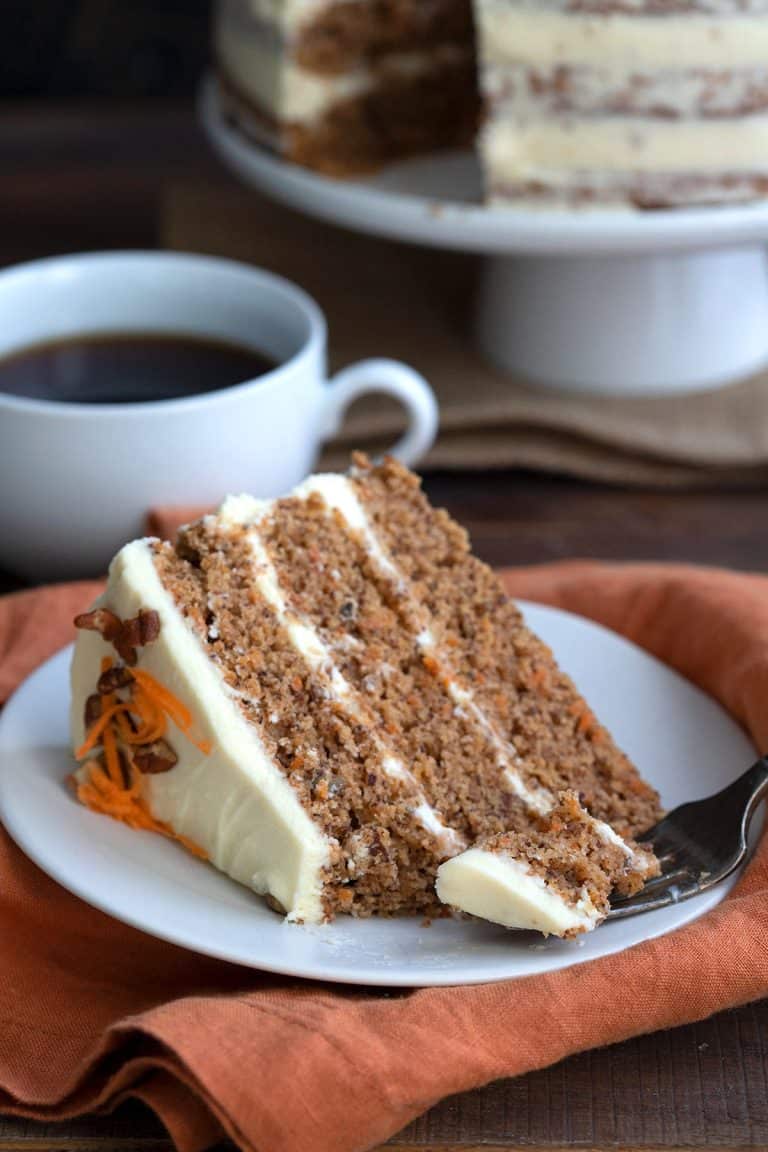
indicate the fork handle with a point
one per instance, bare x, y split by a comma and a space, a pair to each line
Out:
756, 782
744, 795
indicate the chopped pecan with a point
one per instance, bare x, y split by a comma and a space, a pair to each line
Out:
114, 678
135, 633
125, 636
92, 710
152, 759
125, 768
100, 620
149, 626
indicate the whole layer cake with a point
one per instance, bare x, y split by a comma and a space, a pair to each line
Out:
327, 696
606, 103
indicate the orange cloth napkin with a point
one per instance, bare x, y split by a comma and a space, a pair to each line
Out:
93, 1011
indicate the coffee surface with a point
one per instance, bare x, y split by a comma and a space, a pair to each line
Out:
128, 368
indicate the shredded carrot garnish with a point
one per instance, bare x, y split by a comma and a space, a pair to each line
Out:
101, 794
170, 704
112, 756
153, 723
96, 730
109, 783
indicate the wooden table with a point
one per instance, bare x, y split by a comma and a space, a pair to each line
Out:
77, 179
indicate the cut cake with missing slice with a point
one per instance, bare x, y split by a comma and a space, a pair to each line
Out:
603, 104
328, 696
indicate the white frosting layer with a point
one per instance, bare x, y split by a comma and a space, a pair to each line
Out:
505, 891
555, 150
514, 32
234, 803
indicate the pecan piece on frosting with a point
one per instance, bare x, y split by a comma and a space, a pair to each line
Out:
152, 759
124, 635
100, 620
114, 678
92, 710
135, 633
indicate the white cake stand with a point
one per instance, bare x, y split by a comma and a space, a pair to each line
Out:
609, 302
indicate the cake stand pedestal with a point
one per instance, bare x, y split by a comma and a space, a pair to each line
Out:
608, 302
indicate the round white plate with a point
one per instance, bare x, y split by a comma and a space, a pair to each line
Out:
437, 200
681, 740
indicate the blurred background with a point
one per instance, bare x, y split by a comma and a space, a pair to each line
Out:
101, 148
96, 118
154, 49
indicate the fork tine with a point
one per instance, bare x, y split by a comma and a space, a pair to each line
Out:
667, 879
660, 897
699, 844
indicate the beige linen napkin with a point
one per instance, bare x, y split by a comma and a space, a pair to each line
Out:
388, 299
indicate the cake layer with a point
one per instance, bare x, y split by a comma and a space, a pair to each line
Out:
641, 8
400, 115
627, 190
563, 91
342, 35
513, 678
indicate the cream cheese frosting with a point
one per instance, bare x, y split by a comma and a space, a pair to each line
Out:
234, 802
505, 891
512, 32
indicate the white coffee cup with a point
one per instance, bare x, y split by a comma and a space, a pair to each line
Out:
77, 479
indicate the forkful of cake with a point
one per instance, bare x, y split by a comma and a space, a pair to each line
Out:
569, 872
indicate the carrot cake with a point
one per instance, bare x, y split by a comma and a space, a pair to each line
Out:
607, 103
557, 877
328, 696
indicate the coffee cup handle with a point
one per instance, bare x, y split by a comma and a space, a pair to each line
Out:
391, 378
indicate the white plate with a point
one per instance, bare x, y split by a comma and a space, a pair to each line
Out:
437, 200
682, 741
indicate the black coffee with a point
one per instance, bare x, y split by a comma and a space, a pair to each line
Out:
128, 368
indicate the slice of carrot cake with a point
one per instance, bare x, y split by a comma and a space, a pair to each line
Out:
328, 696
557, 877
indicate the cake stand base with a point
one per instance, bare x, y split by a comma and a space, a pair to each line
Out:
627, 324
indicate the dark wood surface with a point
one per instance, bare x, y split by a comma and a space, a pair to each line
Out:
77, 179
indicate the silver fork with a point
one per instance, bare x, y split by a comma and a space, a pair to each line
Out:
699, 844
